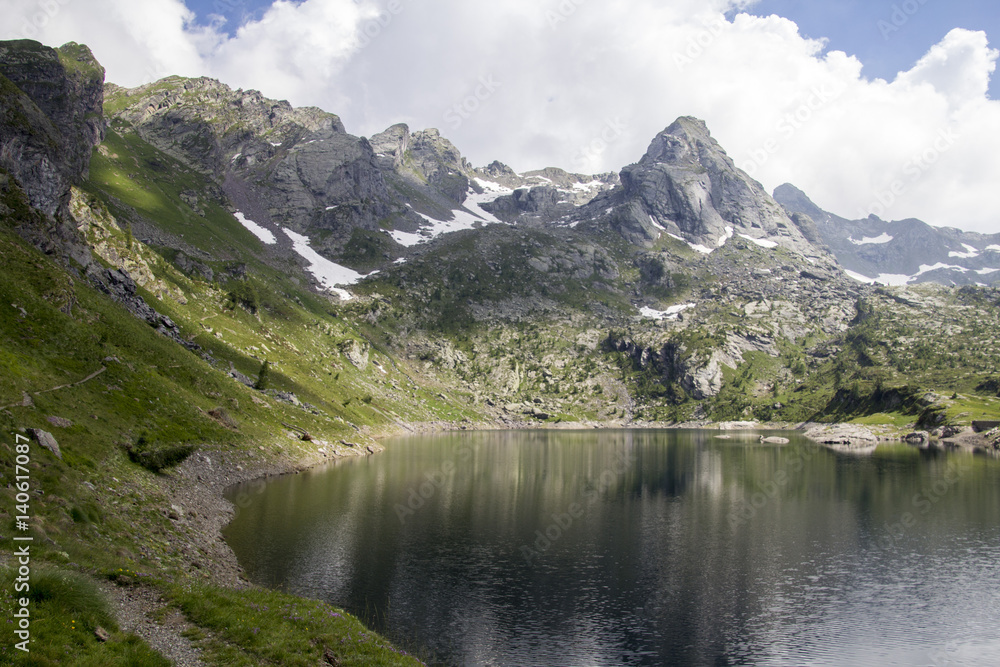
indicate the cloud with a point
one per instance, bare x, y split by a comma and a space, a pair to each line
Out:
586, 85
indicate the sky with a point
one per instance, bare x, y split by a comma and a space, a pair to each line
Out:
870, 107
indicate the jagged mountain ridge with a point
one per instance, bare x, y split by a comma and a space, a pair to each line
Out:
899, 252
680, 246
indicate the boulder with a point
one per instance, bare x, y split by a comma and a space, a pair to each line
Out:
45, 439
356, 353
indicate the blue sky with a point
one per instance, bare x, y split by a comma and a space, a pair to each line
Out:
888, 37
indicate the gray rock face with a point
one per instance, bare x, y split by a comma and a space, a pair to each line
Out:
206, 124
294, 167
686, 185
67, 87
907, 250
119, 286
356, 353
50, 120
441, 164
544, 196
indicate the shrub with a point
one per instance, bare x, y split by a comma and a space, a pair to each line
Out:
157, 458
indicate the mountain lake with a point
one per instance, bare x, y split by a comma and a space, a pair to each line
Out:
643, 547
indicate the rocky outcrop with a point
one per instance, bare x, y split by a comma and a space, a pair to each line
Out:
46, 441
842, 435
115, 246
208, 125
355, 352
121, 288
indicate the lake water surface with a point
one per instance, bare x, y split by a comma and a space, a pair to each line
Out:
644, 548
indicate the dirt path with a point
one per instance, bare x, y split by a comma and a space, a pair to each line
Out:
143, 612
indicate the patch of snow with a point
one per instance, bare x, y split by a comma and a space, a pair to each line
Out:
407, 239
970, 252
925, 268
728, 235
330, 208
694, 246
875, 240
236, 157
586, 187
274, 144
860, 278
893, 279
763, 243
264, 235
470, 215
986, 272
670, 313
401, 260
656, 224
608, 212
993, 248
328, 273
490, 186
540, 178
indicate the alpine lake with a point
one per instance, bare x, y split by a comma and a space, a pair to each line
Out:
643, 547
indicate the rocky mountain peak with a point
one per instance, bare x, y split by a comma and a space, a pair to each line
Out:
685, 185
797, 201
687, 136
391, 145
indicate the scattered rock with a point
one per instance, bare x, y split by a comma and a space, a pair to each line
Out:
775, 440
288, 397
176, 512
917, 438
101, 634
59, 422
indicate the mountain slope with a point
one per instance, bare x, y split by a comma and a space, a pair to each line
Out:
900, 252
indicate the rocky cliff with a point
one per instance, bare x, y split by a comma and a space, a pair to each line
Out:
293, 167
51, 106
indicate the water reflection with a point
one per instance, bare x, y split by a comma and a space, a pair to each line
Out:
645, 548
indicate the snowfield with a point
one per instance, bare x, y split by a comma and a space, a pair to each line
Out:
670, 313
329, 274
263, 234
469, 216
